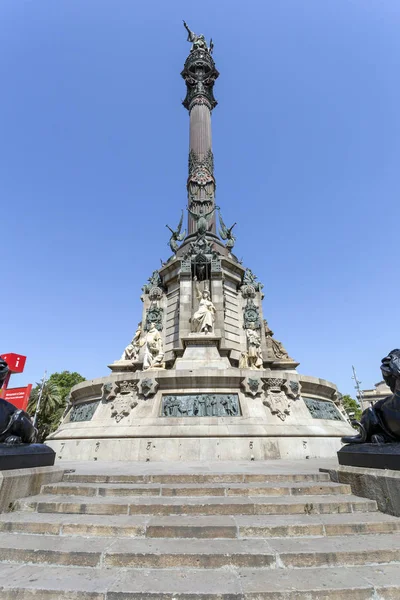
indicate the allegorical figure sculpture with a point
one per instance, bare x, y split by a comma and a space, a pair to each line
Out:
244, 360
229, 406
201, 405
204, 317
153, 281
254, 353
198, 41
250, 279
15, 425
277, 347
380, 423
153, 353
202, 219
131, 352
176, 236
226, 234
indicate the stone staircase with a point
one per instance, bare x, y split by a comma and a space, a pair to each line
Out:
286, 536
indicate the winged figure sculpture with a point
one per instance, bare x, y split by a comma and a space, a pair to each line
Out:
226, 233
176, 235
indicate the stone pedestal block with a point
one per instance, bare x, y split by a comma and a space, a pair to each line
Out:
201, 351
373, 456
25, 456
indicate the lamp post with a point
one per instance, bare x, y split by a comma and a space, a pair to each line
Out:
360, 394
35, 418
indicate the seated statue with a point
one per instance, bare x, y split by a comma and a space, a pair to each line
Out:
380, 423
154, 352
131, 352
15, 425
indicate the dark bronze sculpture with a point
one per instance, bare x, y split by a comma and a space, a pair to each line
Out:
176, 236
380, 423
198, 41
15, 425
202, 219
226, 233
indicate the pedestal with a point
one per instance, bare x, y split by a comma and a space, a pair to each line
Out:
372, 456
26, 456
201, 351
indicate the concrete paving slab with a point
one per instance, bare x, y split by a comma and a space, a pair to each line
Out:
186, 583
318, 524
77, 551
220, 526
307, 584
331, 551
167, 553
55, 583
386, 581
8, 571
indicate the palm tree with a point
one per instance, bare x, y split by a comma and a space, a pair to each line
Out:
51, 405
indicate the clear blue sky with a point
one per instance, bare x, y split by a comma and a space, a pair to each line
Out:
93, 164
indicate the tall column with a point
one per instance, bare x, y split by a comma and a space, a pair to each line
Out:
200, 74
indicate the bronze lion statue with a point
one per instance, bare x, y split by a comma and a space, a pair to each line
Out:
380, 423
15, 425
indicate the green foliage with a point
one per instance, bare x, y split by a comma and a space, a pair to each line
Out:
53, 402
65, 381
351, 405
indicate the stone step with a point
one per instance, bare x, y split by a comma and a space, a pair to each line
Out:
196, 506
140, 553
339, 524
197, 553
46, 582
195, 489
196, 477
220, 526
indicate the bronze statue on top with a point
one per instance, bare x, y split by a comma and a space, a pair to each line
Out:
198, 41
380, 423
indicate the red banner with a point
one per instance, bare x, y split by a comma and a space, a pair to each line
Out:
15, 362
18, 396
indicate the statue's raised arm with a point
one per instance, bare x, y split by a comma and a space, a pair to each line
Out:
191, 35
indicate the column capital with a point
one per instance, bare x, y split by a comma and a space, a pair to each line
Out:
199, 74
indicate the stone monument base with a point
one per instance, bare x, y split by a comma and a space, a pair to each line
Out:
25, 456
201, 413
183, 449
372, 456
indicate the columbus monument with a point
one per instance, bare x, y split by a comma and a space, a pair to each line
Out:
204, 377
